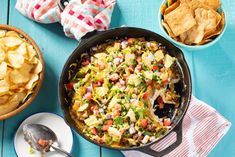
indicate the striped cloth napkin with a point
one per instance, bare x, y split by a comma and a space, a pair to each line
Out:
203, 128
78, 18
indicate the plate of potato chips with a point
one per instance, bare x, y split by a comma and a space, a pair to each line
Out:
193, 22
21, 70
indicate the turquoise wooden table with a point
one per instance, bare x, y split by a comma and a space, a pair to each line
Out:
212, 69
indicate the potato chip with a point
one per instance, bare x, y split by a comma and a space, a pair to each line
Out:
2, 33
10, 105
172, 7
33, 79
4, 87
31, 52
2, 55
22, 49
4, 99
3, 70
13, 102
12, 34
19, 70
11, 41
15, 59
19, 76
27, 67
14, 86
38, 68
34, 60
180, 20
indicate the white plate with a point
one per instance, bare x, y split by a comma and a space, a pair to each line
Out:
52, 121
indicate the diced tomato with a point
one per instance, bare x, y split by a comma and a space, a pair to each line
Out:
101, 81
42, 142
124, 77
146, 96
94, 131
167, 122
95, 85
131, 41
131, 68
105, 127
109, 122
161, 105
141, 39
85, 62
144, 123
160, 102
155, 67
94, 107
98, 83
116, 113
88, 96
101, 141
69, 85
165, 81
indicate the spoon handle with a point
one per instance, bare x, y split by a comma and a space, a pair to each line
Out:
61, 151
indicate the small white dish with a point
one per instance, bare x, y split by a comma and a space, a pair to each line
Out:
55, 123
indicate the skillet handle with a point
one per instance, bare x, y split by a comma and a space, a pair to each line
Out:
149, 151
84, 39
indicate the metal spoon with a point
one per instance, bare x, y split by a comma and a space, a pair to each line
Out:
34, 133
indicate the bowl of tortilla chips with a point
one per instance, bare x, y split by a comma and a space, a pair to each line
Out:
192, 23
21, 70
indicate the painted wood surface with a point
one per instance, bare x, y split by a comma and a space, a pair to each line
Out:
212, 70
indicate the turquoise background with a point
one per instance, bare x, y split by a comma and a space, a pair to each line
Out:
212, 69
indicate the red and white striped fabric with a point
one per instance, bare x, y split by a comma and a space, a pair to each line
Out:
78, 18
203, 128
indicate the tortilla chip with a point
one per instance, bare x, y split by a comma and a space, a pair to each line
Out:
204, 41
195, 34
169, 31
182, 37
163, 8
208, 18
170, 2
214, 4
180, 20
172, 7
219, 28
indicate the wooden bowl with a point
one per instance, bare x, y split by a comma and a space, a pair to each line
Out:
41, 74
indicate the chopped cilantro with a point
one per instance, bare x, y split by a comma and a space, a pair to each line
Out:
118, 121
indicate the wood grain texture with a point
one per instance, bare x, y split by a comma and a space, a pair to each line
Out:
3, 20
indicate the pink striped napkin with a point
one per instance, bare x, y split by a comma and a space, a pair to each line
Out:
78, 18
203, 128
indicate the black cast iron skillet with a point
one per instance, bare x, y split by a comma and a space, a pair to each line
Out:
184, 88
